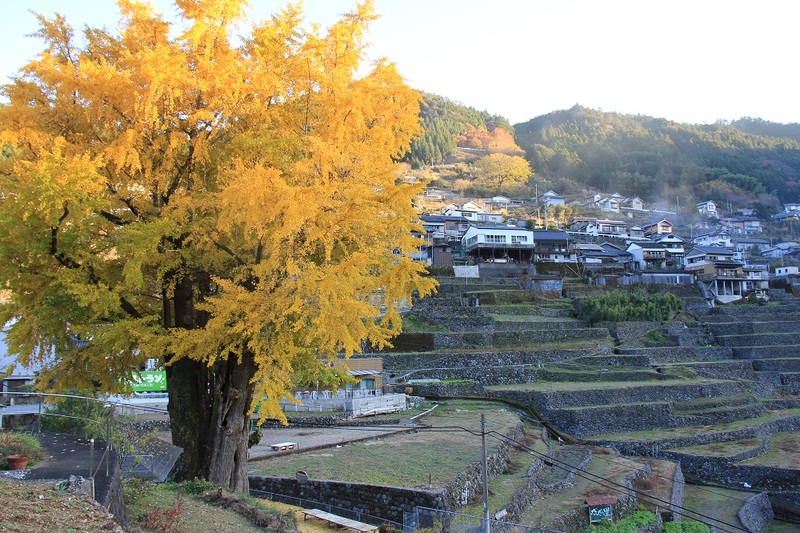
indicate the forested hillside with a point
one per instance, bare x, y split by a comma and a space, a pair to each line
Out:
759, 126
443, 120
653, 158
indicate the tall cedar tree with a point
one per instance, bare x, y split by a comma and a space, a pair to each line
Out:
233, 210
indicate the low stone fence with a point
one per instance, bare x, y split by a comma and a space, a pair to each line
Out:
756, 512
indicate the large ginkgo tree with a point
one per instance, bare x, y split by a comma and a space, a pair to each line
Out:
226, 203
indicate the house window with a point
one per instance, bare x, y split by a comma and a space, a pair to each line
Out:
496, 239
517, 239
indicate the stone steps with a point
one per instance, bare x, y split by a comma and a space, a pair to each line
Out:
767, 351
760, 339
778, 364
505, 339
599, 374
678, 354
755, 328
614, 360
733, 369
709, 404
541, 325
572, 395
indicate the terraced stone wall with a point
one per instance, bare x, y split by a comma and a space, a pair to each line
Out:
614, 418
723, 470
360, 500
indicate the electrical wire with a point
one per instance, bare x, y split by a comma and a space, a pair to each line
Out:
611, 484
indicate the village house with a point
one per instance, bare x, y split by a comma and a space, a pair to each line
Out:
553, 246
498, 244
473, 212
665, 252
605, 202
550, 199
599, 228
707, 208
744, 246
604, 256
713, 238
658, 228
632, 204
742, 225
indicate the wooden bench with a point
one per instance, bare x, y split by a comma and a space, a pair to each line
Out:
283, 446
339, 520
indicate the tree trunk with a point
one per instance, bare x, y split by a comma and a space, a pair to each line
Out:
190, 415
208, 406
230, 424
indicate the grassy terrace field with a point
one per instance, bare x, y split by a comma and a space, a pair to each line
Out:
784, 452
427, 458
587, 485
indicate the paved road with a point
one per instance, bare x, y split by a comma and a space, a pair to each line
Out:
312, 438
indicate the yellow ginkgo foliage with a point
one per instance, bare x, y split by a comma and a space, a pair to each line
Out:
227, 204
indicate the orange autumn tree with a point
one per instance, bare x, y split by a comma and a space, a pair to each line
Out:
497, 140
233, 210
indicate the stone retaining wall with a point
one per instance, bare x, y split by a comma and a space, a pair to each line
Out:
779, 325
362, 500
589, 421
398, 363
765, 352
546, 400
654, 448
778, 365
756, 512
673, 354
469, 483
786, 506
477, 339
725, 370
759, 339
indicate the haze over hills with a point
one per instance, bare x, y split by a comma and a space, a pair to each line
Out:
745, 163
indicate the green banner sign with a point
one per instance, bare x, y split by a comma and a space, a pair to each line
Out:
598, 513
150, 381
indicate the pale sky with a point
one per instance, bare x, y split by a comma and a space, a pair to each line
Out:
695, 61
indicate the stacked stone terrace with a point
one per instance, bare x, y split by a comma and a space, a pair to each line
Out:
720, 374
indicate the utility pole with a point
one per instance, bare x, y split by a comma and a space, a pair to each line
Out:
485, 476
